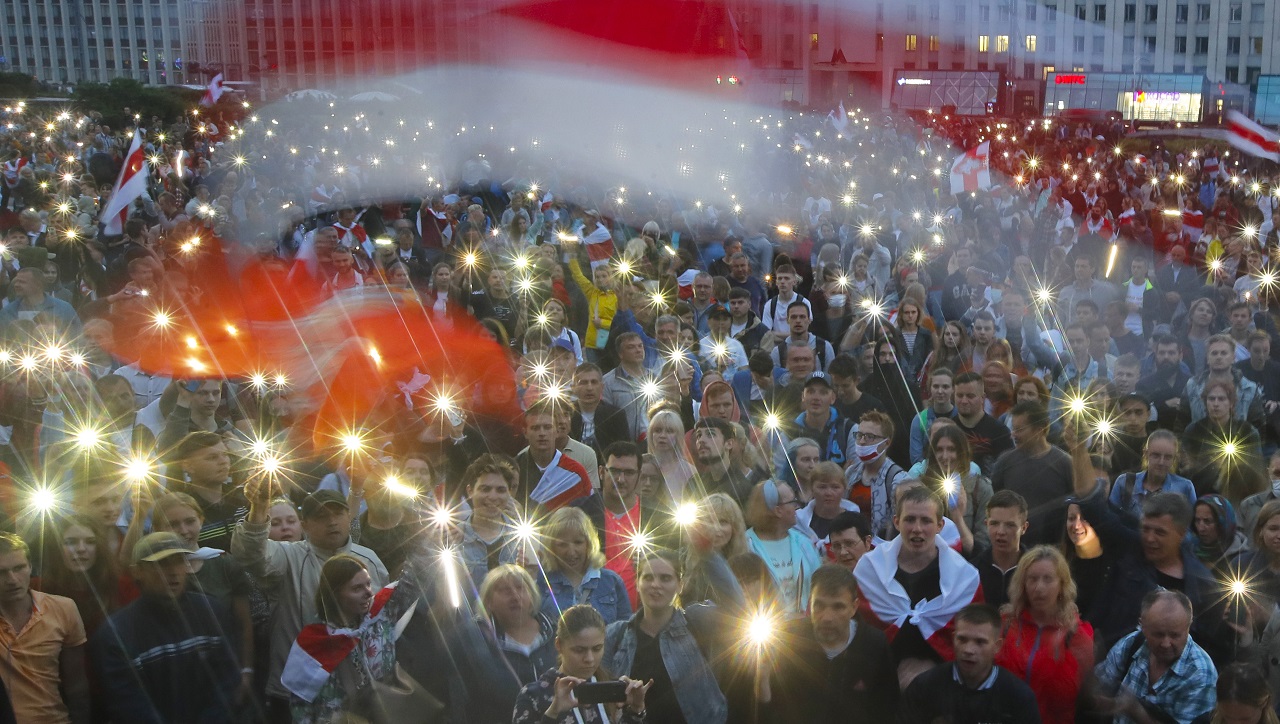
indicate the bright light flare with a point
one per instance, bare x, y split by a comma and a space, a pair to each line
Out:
88, 438
44, 500
398, 488
760, 630
650, 389
686, 514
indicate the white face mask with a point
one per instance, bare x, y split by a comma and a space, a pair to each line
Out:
836, 300
868, 453
1275, 488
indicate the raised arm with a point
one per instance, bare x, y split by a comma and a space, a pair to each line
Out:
249, 543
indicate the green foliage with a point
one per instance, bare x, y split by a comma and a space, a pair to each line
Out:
19, 86
121, 97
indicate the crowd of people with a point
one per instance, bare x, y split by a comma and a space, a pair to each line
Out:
845, 447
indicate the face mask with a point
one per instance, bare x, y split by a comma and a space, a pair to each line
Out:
867, 453
1275, 488
836, 300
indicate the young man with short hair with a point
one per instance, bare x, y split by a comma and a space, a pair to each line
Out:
718, 350
1219, 355
819, 419
774, 315
973, 689
1006, 524
623, 384
43, 638
1131, 435
941, 398
549, 479
799, 317
917, 565
595, 422
1265, 373
851, 401
1164, 385
984, 333
835, 666
987, 437
718, 452
873, 476
1037, 471
746, 326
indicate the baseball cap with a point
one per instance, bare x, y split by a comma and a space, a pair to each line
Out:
877, 197
319, 499
718, 312
1136, 397
819, 378
158, 546
562, 343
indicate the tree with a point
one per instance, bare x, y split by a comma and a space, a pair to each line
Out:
18, 86
113, 98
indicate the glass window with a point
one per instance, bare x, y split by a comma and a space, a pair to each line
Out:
1031, 12
1081, 12
935, 12
813, 41
1051, 13
1202, 12
1202, 45
1050, 43
1180, 13
1029, 43
984, 13
1002, 43
911, 13
935, 43
1078, 44
1149, 44
1255, 45
1232, 74
960, 12
1099, 43
1233, 45
911, 41
1150, 13
1180, 45
1235, 13
1256, 12
1099, 13
984, 43
1251, 75
1002, 12
1130, 12
1126, 47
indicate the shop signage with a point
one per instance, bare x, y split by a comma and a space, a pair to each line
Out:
1070, 79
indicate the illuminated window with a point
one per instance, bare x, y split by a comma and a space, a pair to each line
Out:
1047, 70
1002, 43
984, 43
1030, 43
935, 44
911, 42
813, 41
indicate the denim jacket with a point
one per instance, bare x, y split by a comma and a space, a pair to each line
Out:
695, 637
601, 587
476, 553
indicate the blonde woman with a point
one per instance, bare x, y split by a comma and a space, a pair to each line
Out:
1046, 644
574, 570
720, 526
670, 451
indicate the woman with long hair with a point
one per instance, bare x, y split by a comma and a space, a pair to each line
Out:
1031, 389
1261, 566
674, 646
556, 316
579, 643
437, 297
1090, 564
1244, 697
1194, 332
999, 390
1045, 642
573, 569
720, 523
354, 618
955, 351
78, 564
918, 340
948, 461
667, 445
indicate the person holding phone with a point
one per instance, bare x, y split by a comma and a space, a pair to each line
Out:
578, 690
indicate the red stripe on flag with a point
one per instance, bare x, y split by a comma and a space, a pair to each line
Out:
1252, 136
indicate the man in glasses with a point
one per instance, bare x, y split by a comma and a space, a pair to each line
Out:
626, 525
872, 475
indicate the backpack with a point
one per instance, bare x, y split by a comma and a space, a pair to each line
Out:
1130, 482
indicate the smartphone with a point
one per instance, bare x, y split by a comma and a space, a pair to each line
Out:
600, 692
192, 385
454, 418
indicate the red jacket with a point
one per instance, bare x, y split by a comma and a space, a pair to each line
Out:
1052, 662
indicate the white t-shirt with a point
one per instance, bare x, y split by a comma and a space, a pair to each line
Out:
1133, 295
780, 558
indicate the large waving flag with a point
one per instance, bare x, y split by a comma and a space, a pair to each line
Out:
131, 184
1252, 137
841, 121
213, 92
342, 356
971, 170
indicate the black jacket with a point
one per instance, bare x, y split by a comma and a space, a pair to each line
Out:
1158, 389
936, 696
168, 663
859, 684
611, 427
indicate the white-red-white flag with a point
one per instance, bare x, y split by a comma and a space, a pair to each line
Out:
971, 170
213, 92
1252, 137
841, 121
131, 184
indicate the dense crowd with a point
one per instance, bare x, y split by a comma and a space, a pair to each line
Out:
843, 446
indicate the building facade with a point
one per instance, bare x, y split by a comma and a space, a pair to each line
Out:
152, 41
